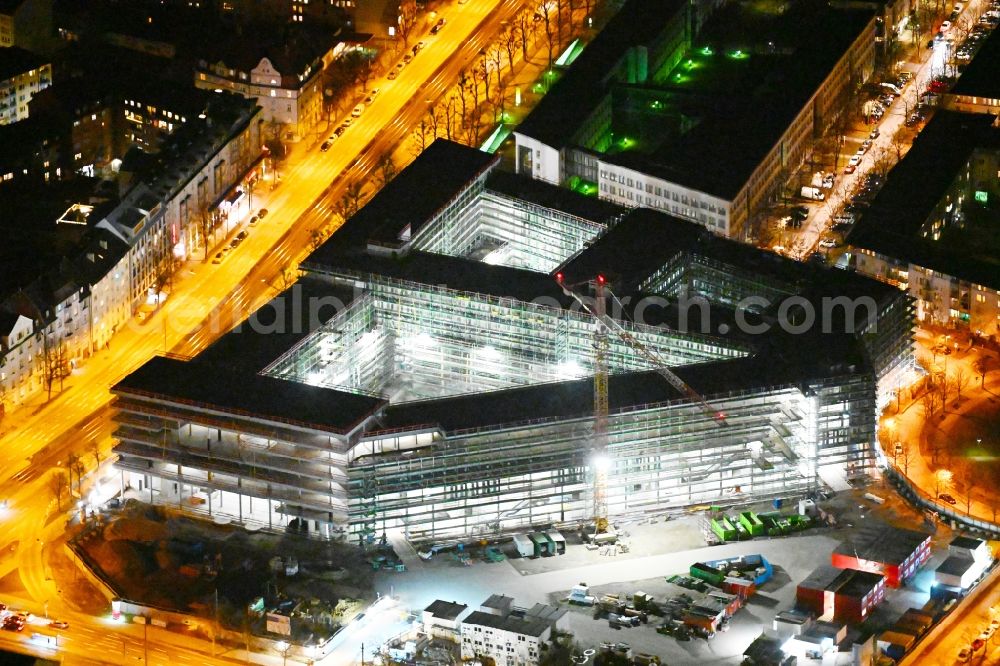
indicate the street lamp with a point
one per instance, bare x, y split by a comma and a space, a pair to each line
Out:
282, 647
942, 476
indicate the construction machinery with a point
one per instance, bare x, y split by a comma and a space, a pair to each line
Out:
599, 452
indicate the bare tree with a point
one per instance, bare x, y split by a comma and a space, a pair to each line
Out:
450, 110
434, 121
95, 450
510, 46
58, 485
407, 19
959, 381
350, 202
74, 465
463, 82
525, 30
54, 362
543, 11
386, 169
420, 134
982, 366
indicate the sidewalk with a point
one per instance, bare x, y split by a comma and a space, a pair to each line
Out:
913, 430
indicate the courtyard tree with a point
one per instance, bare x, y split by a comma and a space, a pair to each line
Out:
407, 19
982, 366
959, 381
386, 169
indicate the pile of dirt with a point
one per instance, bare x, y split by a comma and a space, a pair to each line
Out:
141, 530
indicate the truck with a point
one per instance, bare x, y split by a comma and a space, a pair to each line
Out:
525, 546
894, 644
812, 193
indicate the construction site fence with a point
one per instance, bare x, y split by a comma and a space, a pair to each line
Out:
923, 500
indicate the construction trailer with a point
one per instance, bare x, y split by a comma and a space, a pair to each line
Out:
543, 547
558, 540
524, 545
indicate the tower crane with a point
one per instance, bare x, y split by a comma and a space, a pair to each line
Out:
599, 453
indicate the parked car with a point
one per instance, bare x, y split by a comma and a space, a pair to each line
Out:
874, 133
358, 110
59, 624
262, 213
978, 644
242, 236
340, 130
218, 258
945, 27
392, 75
855, 159
828, 243
325, 147
964, 655
437, 26
253, 221
850, 168
407, 58
945, 497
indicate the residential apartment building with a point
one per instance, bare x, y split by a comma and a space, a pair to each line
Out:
669, 117
22, 74
507, 640
929, 230
26, 24
134, 244
285, 81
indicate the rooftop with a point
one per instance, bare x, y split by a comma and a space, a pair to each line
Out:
965, 543
980, 76
750, 74
849, 582
239, 389
551, 196
894, 224
446, 610
955, 565
559, 114
883, 543
15, 60
526, 626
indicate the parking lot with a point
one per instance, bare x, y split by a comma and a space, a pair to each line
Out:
658, 550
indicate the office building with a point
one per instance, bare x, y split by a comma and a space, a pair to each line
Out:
22, 75
893, 552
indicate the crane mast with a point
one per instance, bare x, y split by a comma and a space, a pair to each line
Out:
605, 324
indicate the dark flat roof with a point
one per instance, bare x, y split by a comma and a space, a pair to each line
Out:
966, 542
883, 543
446, 610
429, 268
915, 187
279, 325
526, 626
219, 387
15, 60
741, 118
552, 196
559, 114
225, 376
955, 565
848, 582
410, 199
981, 77
788, 363
646, 239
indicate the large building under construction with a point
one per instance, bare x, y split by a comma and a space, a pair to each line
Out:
429, 375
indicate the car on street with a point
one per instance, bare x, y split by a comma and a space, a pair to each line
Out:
392, 75
357, 111
828, 243
850, 168
866, 144
855, 160
14, 623
874, 133
945, 497
242, 236
418, 47
233, 244
964, 655
253, 221
371, 96
437, 26
325, 147
978, 644
407, 58
262, 213
340, 130
219, 256
946, 26
59, 624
